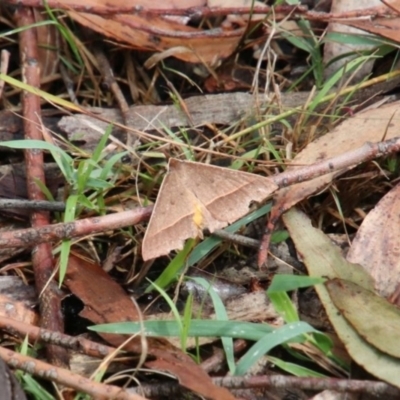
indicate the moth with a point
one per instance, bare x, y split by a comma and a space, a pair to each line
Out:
194, 197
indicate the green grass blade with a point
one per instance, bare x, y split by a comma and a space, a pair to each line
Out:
294, 369
209, 244
269, 341
171, 304
222, 315
284, 306
287, 282
63, 160
198, 328
174, 268
69, 216
186, 320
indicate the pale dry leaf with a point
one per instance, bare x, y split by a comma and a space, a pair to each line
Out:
375, 319
377, 243
322, 258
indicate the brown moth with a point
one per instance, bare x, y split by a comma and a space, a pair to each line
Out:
194, 197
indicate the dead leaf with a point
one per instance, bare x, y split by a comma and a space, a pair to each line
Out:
105, 302
191, 44
376, 245
323, 259
374, 318
196, 196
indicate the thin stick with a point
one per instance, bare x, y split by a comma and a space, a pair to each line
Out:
65, 377
42, 258
32, 204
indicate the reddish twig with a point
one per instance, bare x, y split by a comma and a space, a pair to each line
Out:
280, 12
42, 259
315, 384
35, 334
65, 377
109, 78
379, 389
50, 233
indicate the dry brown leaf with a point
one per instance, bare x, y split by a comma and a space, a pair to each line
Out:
191, 44
377, 244
105, 302
368, 126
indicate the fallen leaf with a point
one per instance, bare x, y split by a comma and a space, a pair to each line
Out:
323, 259
376, 245
375, 319
163, 33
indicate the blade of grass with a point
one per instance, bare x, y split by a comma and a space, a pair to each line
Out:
174, 268
284, 306
269, 341
198, 328
222, 315
186, 320
209, 244
294, 369
171, 304
287, 282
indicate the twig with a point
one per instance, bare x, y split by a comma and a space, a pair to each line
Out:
316, 384
35, 334
378, 389
111, 82
32, 204
235, 238
42, 259
65, 377
50, 233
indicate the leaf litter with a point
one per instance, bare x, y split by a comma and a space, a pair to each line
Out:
106, 301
